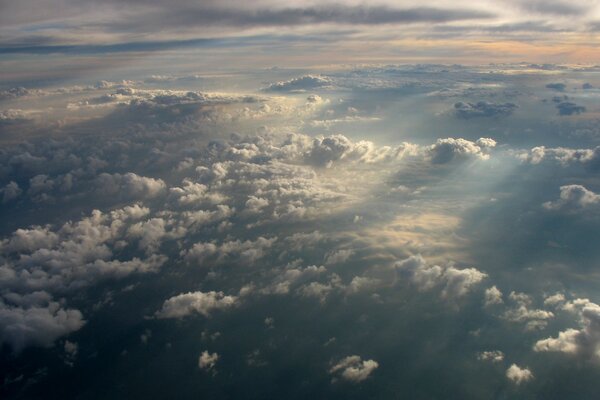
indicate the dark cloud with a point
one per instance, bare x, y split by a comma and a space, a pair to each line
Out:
569, 108
335, 14
483, 109
560, 87
554, 7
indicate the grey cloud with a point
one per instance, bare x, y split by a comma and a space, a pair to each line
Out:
560, 87
38, 325
554, 7
483, 109
569, 108
337, 14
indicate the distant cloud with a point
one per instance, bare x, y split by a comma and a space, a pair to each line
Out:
572, 198
583, 342
190, 303
518, 375
354, 369
303, 83
494, 356
454, 282
569, 108
451, 149
559, 87
207, 361
483, 109
276, 16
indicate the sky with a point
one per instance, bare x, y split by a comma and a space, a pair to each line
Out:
365, 200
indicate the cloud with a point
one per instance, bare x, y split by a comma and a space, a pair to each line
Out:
559, 87
518, 375
354, 369
207, 361
559, 8
308, 15
450, 149
38, 325
300, 84
584, 342
454, 282
483, 109
564, 156
573, 198
10, 192
494, 356
569, 108
129, 185
186, 304
523, 313
493, 296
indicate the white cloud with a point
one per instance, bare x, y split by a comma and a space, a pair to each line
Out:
186, 304
450, 149
522, 313
518, 375
453, 282
494, 356
354, 369
584, 341
573, 198
338, 256
130, 185
493, 296
207, 361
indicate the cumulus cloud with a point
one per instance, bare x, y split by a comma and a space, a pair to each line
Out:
523, 313
186, 304
450, 149
563, 155
518, 375
246, 252
129, 185
493, 296
585, 341
354, 369
10, 192
300, 84
494, 356
207, 361
38, 325
454, 282
573, 198
483, 109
